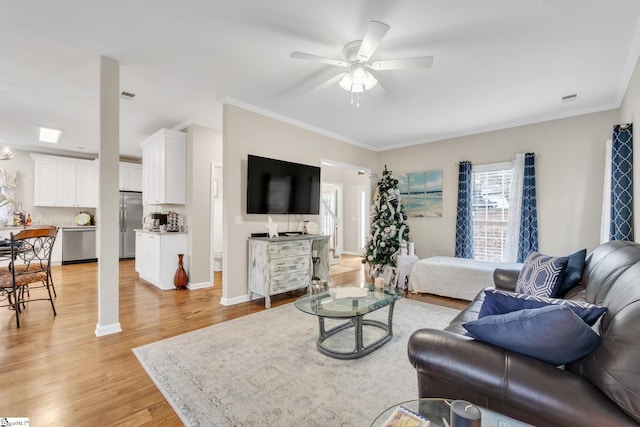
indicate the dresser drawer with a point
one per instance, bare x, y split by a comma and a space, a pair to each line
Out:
288, 265
289, 281
287, 249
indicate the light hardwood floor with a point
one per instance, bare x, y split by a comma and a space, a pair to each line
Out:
56, 372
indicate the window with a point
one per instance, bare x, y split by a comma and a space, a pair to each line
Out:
490, 205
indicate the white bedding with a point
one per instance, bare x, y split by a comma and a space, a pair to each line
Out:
454, 277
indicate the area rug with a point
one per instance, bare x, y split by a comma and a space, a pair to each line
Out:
264, 370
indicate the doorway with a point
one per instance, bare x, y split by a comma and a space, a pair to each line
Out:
216, 218
332, 219
346, 190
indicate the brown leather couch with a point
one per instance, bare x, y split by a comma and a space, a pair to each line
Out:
601, 389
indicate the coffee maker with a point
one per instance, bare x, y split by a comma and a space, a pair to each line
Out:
173, 222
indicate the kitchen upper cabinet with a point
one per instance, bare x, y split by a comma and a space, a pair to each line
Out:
45, 181
130, 176
87, 185
164, 168
65, 182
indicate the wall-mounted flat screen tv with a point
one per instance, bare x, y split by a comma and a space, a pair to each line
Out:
280, 187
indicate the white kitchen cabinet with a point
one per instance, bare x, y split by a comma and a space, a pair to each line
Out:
157, 257
87, 185
65, 182
45, 181
164, 168
130, 176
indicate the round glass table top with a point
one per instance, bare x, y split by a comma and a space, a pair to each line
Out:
347, 301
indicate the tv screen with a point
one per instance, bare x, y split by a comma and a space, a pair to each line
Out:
279, 187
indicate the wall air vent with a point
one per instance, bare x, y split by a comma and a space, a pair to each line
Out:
127, 95
569, 98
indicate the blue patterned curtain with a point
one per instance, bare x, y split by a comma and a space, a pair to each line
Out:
528, 240
464, 224
621, 227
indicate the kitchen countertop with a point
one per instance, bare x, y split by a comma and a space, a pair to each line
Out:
159, 232
63, 227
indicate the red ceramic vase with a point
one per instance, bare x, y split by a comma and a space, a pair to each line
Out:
180, 280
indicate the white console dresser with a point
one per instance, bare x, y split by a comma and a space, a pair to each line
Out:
282, 264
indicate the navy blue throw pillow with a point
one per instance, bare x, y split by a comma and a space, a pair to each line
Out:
572, 273
541, 274
501, 302
553, 334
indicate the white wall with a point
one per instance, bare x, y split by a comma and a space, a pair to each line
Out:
244, 133
629, 110
569, 169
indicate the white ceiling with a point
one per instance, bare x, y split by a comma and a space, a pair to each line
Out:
498, 63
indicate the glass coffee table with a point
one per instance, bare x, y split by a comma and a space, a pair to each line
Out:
351, 303
438, 411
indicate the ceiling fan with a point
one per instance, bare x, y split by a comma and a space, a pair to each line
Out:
358, 55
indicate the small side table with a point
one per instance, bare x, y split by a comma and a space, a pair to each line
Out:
404, 264
438, 411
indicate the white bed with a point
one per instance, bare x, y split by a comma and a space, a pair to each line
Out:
454, 277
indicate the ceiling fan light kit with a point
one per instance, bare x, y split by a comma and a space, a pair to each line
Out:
358, 53
7, 154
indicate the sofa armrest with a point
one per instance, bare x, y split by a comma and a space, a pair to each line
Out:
457, 367
505, 279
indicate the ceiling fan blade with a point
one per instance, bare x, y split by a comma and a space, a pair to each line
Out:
316, 58
372, 38
332, 81
419, 62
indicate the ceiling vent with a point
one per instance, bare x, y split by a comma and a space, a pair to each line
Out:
569, 98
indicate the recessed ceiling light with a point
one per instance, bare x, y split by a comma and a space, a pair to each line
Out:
50, 135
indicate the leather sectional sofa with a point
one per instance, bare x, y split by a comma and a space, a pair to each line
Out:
601, 389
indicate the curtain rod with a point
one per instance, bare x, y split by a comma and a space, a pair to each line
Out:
536, 155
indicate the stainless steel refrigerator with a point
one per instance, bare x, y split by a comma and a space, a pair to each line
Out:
130, 219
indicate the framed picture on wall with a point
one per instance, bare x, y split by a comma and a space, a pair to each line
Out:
421, 193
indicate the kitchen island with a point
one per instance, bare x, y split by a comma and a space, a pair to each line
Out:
157, 256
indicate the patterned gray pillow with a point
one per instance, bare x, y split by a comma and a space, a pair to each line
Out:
541, 275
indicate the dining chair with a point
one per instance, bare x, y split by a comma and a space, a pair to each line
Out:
30, 264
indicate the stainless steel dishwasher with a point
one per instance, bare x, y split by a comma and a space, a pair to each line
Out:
78, 245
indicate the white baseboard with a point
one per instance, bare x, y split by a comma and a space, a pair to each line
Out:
102, 330
233, 301
201, 285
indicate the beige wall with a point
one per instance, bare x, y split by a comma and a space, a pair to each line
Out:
204, 145
244, 133
569, 169
629, 110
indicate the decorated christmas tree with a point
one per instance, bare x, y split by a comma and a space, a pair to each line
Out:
388, 229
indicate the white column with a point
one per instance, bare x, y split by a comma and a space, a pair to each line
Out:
108, 231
